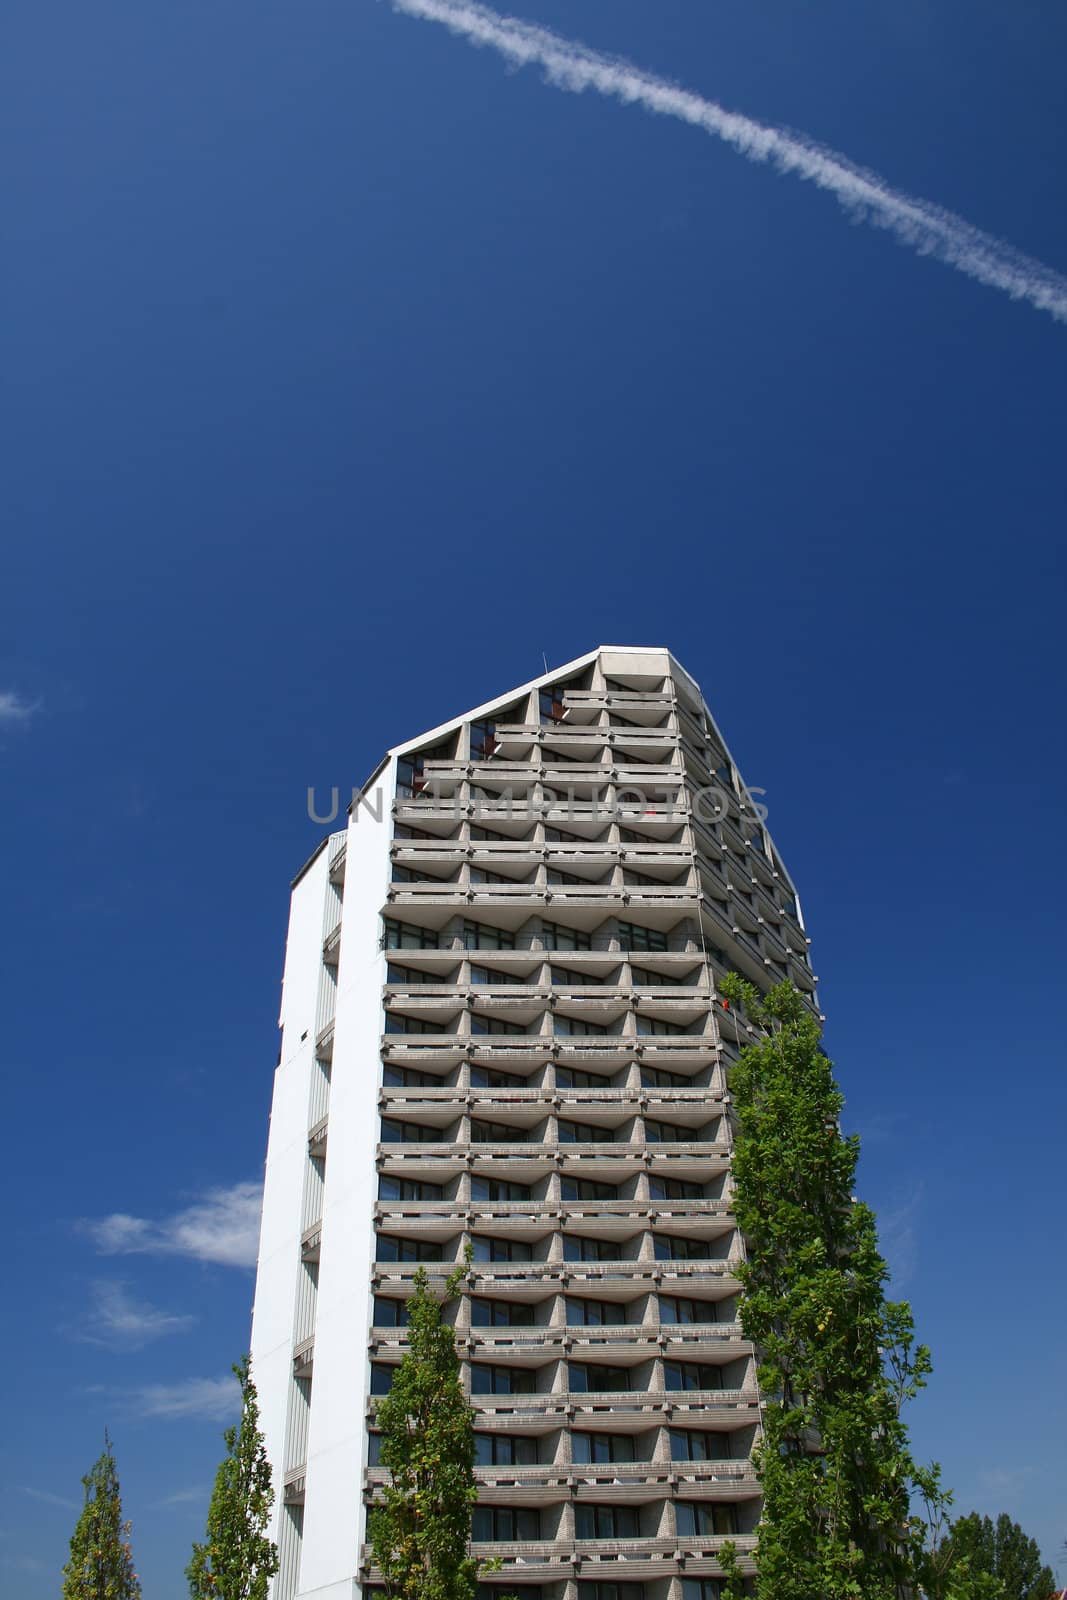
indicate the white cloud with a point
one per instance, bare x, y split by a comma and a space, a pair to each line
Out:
193, 1400
13, 708
183, 1497
222, 1227
116, 1319
51, 1499
898, 1236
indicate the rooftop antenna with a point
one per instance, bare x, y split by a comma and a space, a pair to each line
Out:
544, 658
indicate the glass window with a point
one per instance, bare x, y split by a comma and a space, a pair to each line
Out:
611, 1591
701, 1589
391, 1249
595, 1447
589, 1189
691, 1375
572, 1078
584, 1133
660, 1078
409, 1077
556, 937
668, 1133
394, 1132
705, 1517
675, 1189
496, 1025
605, 1522
591, 1378
483, 739
390, 1313
408, 1189
505, 1523
578, 1026
682, 1308
493, 1078
498, 1189
488, 975
492, 1249
504, 1450
658, 1025
550, 704
406, 936
501, 1314
669, 1247
498, 1133
634, 937
381, 1377
597, 1313
479, 936
500, 1380
691, 1444
581, 1249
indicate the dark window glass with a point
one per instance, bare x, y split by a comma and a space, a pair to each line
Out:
579, 1249
591, 1378
381, 1377
498, 1189
406, 936
611, 1591
691, 1375
697, 1517
495, 1025
501, 1249
498, 1133
505, 1523
605, 1522
701, 1589
479, 936
492, 1078
596, 1447
554, 936
690, 1444
681, 1308
390, 1249
500, 1380
504, 1450
675, 1189
394, 1132
501, 1314
578, 1026
584, 1133
408, 1189
572, 1078
483, 740
589, 1189
669, 1247
390, 1313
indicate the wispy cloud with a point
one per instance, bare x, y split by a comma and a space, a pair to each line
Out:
117, 1320
13, 708
192, 1400
183, 1497
24, 1564
222, 1227
50, 1499
925, 227
898, 1235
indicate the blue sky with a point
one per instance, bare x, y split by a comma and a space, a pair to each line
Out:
345, 374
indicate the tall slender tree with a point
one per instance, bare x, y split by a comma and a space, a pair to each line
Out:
1003, 1551
101, 1558
837, 1359
237, 1560
420, 1532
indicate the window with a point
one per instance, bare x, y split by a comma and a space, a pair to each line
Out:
501, 1314
483, 740
492, 1078
408, 1078
495, 1025
374, 1450
594, 1447
591, 1378
397, 974
498, 1189
571, 978
403, 831
589, 1189
691, 1444
390, 1313
408, 1189
406, 936
550, 704
691, 1375
553, 876
597, 1314
669, 1247
572, 1078
491, 1249
487, 975
660, 1078
578, 1026
556, 937
505, 1523
660, 1025
396, 1022
381, 1377
634, 937
498, 1133
481, 834
504, 1450
682, 1308
605, 1522
675, 1189
666, 1132
394, 1132
611, 1591
704, 1518
701, 1589
584, 1133
501, 1380
582, 1249
480, 936
660, 980
560, 836
392, 1249
484, 875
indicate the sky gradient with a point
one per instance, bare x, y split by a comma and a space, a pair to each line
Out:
346, 375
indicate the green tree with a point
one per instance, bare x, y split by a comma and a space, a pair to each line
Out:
420, 1531
101, 1561
837, 1359
237, 1560
1003, 1551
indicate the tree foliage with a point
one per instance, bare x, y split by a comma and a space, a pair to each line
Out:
237, 1560
420, 1531
837, 1359
101, 1559
1000, 1550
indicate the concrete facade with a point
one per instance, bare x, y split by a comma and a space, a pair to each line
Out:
500, 1027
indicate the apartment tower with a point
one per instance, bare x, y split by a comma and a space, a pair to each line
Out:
500, 1028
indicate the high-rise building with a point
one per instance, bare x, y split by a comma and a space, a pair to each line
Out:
500, 1028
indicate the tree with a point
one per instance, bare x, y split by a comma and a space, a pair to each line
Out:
101, 1560
837, 1359
237, 1560
1002, 1551
420, 1531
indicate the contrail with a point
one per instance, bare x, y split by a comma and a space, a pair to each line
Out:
927, 228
